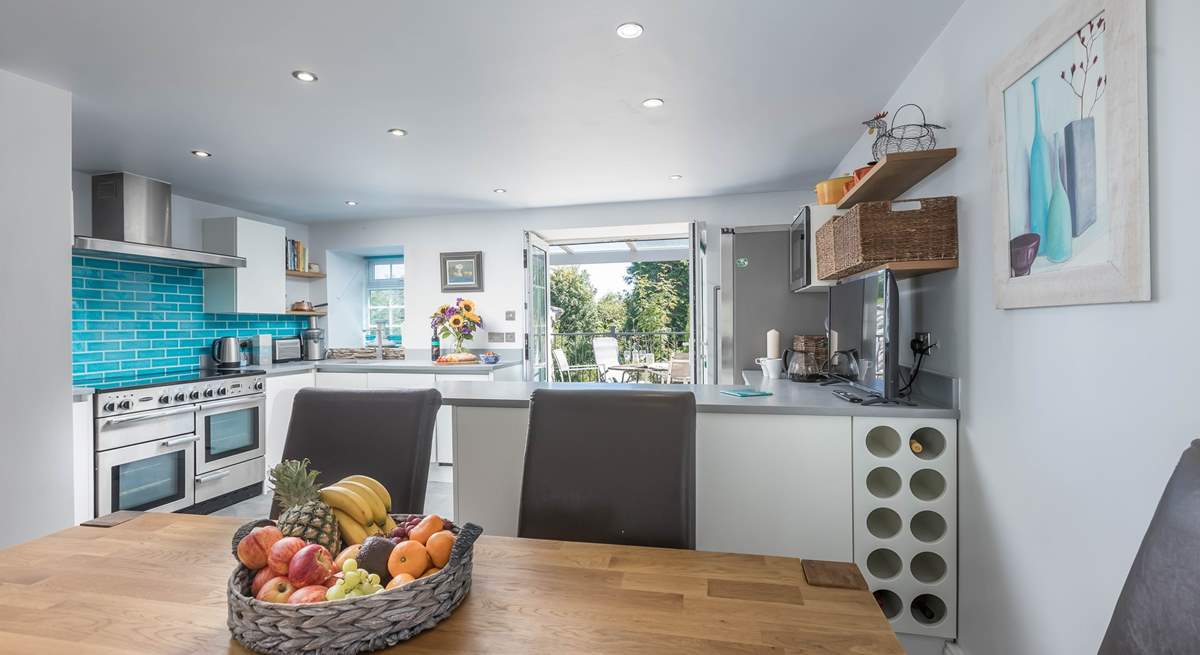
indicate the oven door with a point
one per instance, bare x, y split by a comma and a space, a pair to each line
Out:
230, 431
155, 476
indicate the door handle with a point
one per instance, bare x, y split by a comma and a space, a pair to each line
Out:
216, 475
116, 420
179, 440
247, 400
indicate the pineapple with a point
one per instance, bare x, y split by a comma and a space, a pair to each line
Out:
302, 512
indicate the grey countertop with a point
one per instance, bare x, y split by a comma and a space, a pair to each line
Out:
382, 366
788, 398
79, 394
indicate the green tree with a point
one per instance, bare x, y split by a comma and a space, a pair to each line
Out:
571, 291
658, 302
610, 312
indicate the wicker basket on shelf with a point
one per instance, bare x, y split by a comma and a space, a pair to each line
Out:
352, 625
875, 233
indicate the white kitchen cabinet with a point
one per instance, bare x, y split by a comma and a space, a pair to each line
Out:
260, 287
406, 381
818, 216
445, 419
489, 466
281, 392
83, 460
335, 380
774, 484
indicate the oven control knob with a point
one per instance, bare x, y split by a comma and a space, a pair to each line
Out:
108, 407
179, 397
258, 386
164, 399
125, 404
221, 391
193, 395
208, 393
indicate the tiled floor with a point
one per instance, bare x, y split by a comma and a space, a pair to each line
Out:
439, 497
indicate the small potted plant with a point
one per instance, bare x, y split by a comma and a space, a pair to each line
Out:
458, 321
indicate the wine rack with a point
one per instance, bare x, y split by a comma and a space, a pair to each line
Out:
906, 520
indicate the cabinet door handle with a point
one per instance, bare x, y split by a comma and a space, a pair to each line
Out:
179, 440
217, 475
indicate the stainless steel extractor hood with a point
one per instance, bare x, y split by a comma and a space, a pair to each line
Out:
131, 220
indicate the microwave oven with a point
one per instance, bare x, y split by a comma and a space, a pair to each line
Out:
799, 261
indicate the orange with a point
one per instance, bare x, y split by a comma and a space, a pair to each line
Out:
430, 572
438, 546
408, 557
399, 581
428, 525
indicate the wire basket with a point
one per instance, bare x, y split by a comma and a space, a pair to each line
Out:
905, 137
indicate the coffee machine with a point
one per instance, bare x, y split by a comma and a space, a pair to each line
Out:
312, 341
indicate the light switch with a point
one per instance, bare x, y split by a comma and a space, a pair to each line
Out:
510, 337
510, 315
496, 337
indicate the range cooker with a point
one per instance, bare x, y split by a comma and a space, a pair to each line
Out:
188, 442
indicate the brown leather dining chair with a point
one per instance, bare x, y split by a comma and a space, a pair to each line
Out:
385, 434
611, 466
1158, 610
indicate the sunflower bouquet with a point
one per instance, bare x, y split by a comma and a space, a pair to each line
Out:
458, 321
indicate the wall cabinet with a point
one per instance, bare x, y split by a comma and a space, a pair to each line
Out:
260, 287
281, 392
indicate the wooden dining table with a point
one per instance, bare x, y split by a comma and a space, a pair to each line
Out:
157, 583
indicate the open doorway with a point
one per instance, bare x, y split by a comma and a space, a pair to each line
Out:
620, 304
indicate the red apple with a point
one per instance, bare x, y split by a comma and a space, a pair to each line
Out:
264, 574
310, 566
253, 548
277, 590
311, 594
282, 552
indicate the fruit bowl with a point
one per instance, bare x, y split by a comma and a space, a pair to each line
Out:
352, 625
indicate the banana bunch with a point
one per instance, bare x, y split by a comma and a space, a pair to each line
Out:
361, 506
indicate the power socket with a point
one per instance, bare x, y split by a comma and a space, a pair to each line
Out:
922, 342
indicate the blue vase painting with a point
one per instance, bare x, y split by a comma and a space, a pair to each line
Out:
1055, 125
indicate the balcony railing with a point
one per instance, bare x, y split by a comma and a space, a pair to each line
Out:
632, 348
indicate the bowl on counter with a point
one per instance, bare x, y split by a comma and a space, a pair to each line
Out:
489, 358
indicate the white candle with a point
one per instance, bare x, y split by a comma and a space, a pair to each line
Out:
772, 344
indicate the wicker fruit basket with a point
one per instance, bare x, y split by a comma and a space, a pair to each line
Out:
353, 625
874, 233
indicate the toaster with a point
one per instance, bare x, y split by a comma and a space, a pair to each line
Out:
286, 349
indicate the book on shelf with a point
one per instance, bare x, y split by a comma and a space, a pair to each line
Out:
296, 255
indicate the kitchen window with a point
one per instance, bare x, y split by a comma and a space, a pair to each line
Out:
385, 297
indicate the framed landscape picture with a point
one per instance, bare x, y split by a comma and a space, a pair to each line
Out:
1070, 172
462, 271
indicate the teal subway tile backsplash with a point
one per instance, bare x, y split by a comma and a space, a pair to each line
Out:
130, 318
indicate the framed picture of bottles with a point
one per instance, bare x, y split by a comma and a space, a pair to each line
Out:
1070, 174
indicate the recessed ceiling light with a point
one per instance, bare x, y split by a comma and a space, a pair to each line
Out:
304, 76
675, 177
652, 103
499, 190
629, 30
202, 154
395, 131
351, 203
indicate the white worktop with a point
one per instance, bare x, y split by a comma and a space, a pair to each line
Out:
382, 366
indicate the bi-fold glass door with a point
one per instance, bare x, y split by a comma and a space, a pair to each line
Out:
537, 308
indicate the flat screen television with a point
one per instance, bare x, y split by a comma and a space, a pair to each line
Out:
864, 323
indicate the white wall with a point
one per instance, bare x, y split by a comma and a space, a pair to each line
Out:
35, 309
346, 287
500, 235
1073, 417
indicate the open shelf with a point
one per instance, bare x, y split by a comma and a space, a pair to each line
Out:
304, 274
296, 312
896, 173
905, 270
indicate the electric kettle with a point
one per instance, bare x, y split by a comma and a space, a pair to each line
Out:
227, 352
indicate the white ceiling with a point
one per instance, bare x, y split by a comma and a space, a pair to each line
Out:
537, 96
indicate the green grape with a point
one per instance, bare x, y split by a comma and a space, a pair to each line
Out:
376, 588
353, 578
355, 593
373, 578
336, 592
349, 565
